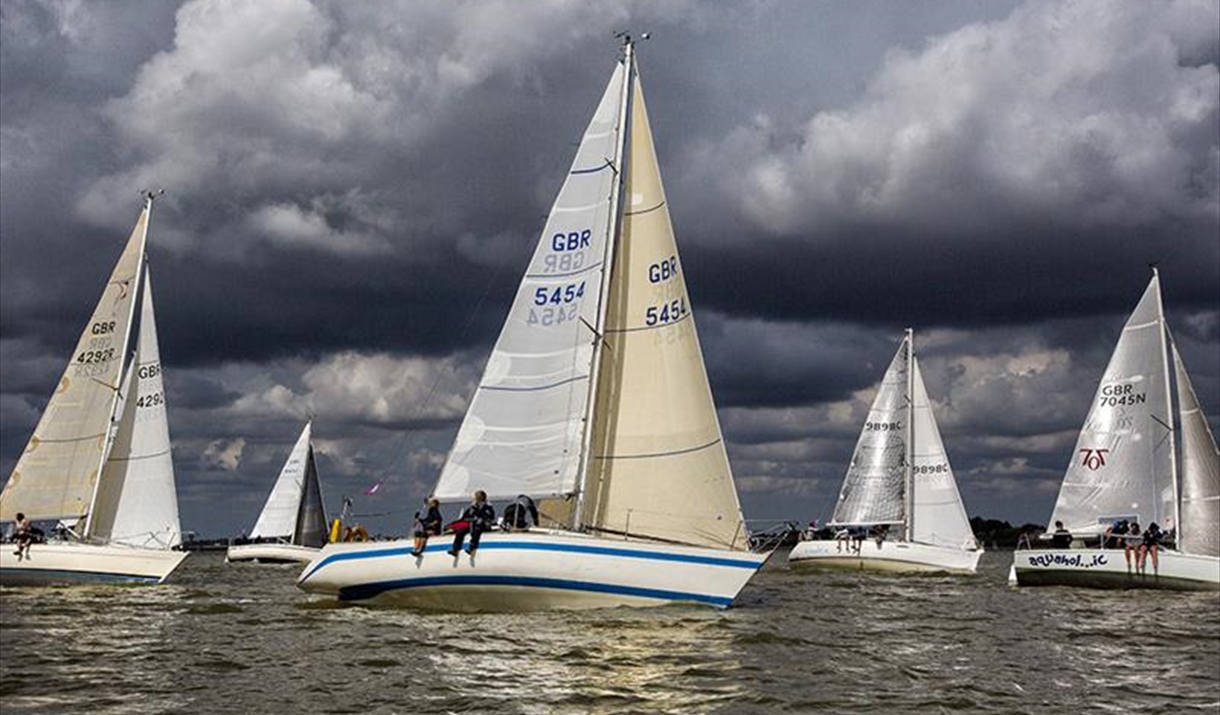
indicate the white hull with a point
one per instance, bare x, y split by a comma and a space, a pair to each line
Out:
63, 563
894, 556
271, 553
529, 571
1107, 568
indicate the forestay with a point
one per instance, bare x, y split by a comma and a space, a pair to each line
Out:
658, 467
137, 503
56, 475
1200, 532
278, 520
523, 430
1123, 461
873, 490
938, 518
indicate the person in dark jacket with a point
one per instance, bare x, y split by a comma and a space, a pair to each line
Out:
1150, 547
1062, 538
521, 514
428, 525
475, 519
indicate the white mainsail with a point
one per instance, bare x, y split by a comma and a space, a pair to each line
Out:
278, 519
137, 503
874, 489
1123, 463
56, 475
938, 515
523, 430
1200, 529
657, 467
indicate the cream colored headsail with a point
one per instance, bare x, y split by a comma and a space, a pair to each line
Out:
55, 475
657, 466
137, 503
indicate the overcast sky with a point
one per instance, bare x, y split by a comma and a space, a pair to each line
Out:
354, 189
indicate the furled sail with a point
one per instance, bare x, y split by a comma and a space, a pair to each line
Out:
938, 516
523, 430
311, 517
873, 491
1200, 530
1122, 465
278, 520
657, 462
55, 476
137, 503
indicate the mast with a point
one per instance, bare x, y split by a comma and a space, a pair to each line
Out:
123, 360
908, 491
603, 303
1165, 360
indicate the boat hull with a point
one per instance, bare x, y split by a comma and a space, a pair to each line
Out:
63, 563
892, 556
529, 571
1107, 568
271, 553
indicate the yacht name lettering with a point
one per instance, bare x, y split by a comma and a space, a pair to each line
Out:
560, 294
1075, 560
882, 426
1115, 395
664, 270
665, 313
1093, 459
571, 241
103, 328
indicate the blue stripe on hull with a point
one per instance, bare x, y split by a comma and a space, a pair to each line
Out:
24, 576
371, 590
543, 546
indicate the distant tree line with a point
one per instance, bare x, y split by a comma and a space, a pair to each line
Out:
996, 534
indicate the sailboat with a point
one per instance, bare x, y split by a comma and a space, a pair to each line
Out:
899, 478
595, 401
1125, 467
99, 461
292, 524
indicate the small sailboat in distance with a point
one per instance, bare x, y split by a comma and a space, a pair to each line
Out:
99, 461
292, 524
595, 401
1125, 468
899, 477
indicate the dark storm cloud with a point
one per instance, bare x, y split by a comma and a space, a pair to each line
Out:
354, 189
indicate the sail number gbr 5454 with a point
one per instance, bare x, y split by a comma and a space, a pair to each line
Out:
671, 310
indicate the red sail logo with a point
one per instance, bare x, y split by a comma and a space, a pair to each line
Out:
1093, 458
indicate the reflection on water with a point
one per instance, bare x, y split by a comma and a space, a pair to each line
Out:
242, 639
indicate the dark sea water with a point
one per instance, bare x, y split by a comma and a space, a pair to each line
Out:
242, 639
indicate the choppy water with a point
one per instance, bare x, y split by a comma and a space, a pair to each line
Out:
242, 639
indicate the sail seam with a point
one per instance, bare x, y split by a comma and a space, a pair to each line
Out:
86, 438
658, 326
648, 210
537, 276
162, 453
534, 389
674, 453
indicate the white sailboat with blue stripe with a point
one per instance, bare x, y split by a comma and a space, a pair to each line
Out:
595, 401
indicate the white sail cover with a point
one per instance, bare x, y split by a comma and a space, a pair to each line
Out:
874, 490
1200, 531
1123, 462
658, 466
938, 516
137, 503
523, 430
278, 519
55, 476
